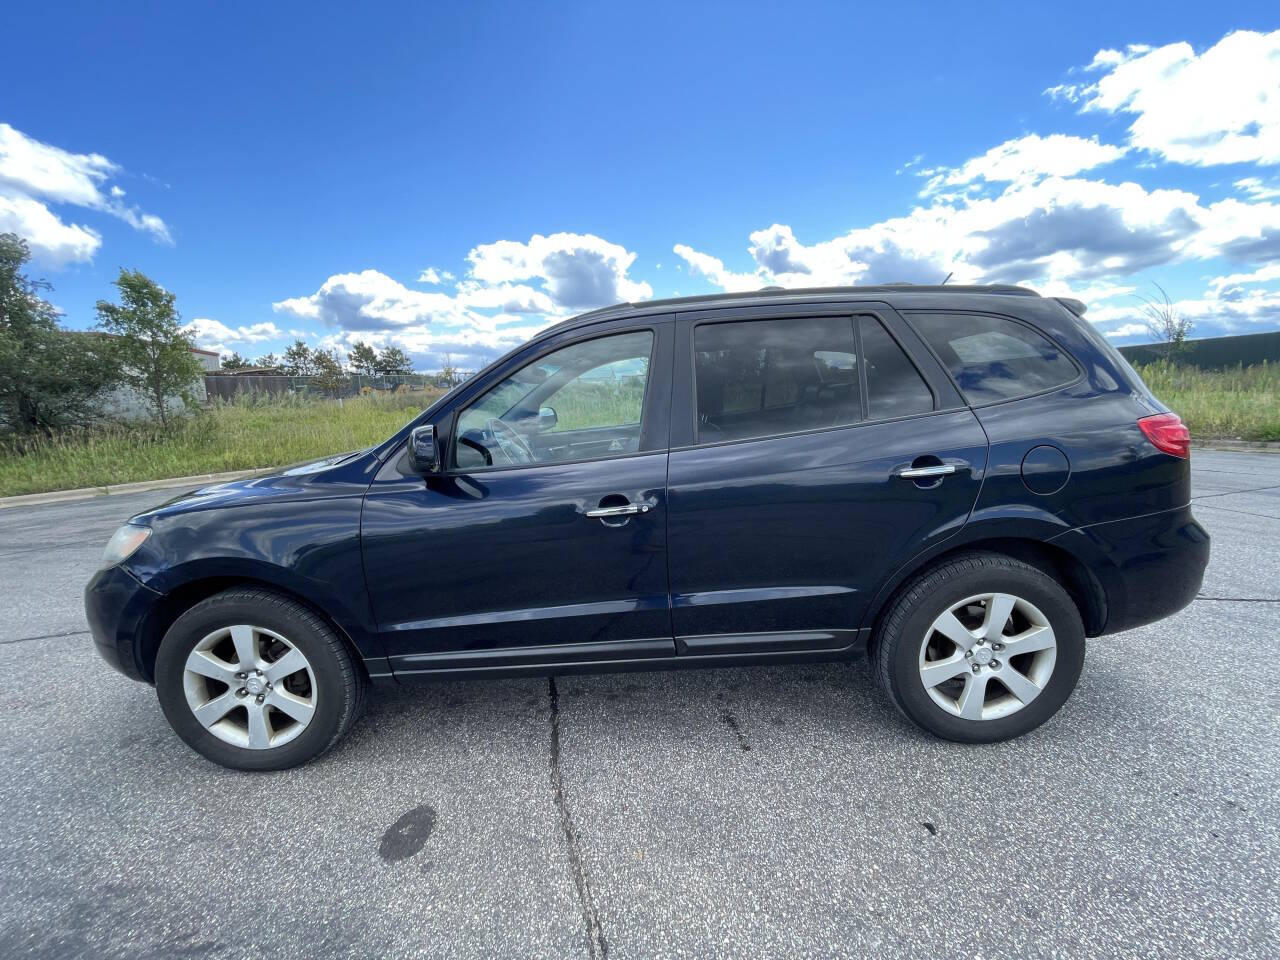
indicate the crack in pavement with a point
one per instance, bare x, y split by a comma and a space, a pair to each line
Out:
597, 946
1245, 513
46, 636
1232, 493
1242, 599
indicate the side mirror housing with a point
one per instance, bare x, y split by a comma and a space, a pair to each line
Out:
424, 452
547, 419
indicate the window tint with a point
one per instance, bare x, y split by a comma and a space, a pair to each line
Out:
577, 403
894, 386
993, 358
759, 378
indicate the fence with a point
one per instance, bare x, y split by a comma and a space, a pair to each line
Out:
224, 386
1214, 353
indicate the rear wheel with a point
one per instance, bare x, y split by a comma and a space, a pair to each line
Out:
980, 648
256, 681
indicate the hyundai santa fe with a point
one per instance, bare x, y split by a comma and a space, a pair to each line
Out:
962, 483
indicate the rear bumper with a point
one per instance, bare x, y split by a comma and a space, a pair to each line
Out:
116, 605
1149, 567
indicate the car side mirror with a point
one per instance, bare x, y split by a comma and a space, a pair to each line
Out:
424, 452
547, 419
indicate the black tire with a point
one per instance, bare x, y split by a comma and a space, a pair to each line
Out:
340, 682
896, 645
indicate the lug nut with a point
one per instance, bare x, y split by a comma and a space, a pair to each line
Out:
995, 664
241, 692
976, 668
969, 654
997, 646
261, 698
241, 676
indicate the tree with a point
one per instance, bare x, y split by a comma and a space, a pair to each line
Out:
155, 355
269, 361
450, 376
298, 361
234, 362
393, 360
1162, 320
330, 375
49, 378
363, 358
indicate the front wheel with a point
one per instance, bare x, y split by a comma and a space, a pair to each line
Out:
981, 648
256, 681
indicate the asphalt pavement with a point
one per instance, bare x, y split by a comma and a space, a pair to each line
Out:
755, 812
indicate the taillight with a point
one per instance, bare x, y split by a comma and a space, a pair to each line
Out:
1167, 432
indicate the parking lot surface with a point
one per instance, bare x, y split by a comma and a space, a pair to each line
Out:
750, 812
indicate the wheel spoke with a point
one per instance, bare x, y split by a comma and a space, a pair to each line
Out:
949, 626
1017, 684
292, 706
971, 699
1030, 640
291, 662
998, 610
259, 732
246, 643
941, 671
217, 708
207, 665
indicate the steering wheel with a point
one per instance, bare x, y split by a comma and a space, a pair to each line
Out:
510, 442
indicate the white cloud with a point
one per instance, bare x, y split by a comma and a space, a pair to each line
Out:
52, 241
1219, 106
1056, 232
209, 331
34, 174
1029, 158
577, 270
435, 277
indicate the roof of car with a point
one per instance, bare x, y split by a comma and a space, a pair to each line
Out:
772, 294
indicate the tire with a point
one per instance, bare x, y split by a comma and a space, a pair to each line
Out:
279, 715
913, 647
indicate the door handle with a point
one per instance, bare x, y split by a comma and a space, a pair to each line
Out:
918, 473
624, 510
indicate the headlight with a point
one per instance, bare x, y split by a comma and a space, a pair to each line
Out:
123, 543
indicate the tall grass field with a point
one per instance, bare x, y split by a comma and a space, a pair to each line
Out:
225, 436
1241, 403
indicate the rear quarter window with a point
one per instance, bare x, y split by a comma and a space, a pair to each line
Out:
994, 358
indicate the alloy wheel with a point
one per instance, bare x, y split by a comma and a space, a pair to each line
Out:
987, 656
250, 687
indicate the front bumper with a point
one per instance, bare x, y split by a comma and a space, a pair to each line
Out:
1149, 567
116, 605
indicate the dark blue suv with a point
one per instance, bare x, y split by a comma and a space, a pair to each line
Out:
961, 482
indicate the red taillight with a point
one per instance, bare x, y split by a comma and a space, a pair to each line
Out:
1167, 432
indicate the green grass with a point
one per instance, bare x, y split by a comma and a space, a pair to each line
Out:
1240, 403
226, 436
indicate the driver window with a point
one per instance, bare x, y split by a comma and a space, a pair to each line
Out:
578, 403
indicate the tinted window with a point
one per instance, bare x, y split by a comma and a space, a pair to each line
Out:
759, 378
993, 358
894, 386
577, 403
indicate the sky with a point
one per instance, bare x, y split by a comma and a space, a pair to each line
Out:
452, 178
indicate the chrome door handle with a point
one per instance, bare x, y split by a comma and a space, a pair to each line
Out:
916, 473
625, 510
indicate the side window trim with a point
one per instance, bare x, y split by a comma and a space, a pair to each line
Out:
662, 331
946, 370
893, 335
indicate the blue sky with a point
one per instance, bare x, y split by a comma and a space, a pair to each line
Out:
453, 178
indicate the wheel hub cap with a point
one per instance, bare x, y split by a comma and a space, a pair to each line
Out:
255, 685
987, 656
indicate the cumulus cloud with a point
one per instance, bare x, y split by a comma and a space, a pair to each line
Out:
34, 174
576, 270
1219, 106
1028, 158
512, 290
1053, 231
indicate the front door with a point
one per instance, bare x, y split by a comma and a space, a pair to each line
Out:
791, 491
544, 537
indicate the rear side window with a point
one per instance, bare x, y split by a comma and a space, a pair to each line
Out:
894, 385
993, 358
759, 378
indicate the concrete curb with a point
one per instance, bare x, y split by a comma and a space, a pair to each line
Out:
86, 493
1237, 446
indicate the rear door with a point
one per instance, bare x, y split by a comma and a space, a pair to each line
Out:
814, 449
